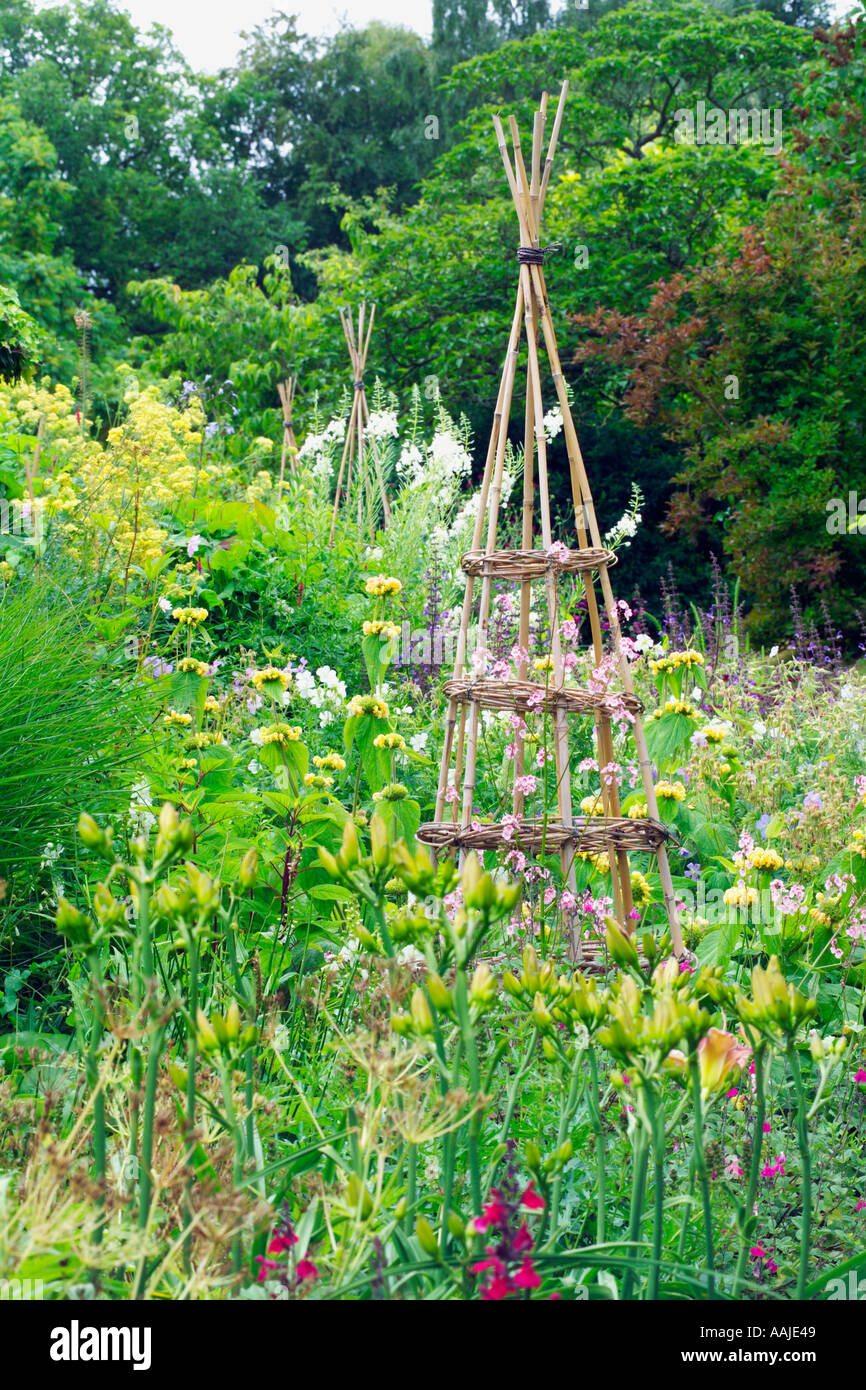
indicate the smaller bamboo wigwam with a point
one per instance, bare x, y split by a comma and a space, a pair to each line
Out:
359, 445
610, 834
286, 390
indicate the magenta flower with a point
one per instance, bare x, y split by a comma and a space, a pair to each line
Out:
527, 1276
860, 1078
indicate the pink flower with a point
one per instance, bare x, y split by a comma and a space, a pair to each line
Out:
767, 1126
496, 1289
757, 1252
860, 1077
531, 1199
306, 1270
860, 1205
527, 1276
266, 1267
523, 1240
282, 1242
771, 1267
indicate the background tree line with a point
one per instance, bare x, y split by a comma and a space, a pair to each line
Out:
162, 200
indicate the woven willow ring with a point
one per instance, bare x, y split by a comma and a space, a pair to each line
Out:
516, 695
532, 564
589, 834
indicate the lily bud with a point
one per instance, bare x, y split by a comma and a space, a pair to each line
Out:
233, 1021
439, 992
456, 1227
426, 1238
72, 923
328, 862
350, 850
168, 820
207, 1038
380, 849
249, 869
421, 1015
358, 1196
620, 946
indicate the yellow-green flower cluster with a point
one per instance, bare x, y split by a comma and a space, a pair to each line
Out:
394, 791
382, 586
676, 661
191, 666
674, 706
270, 675
371, 705
592, 806
282, 734
315, 779
392, 741
176, 720
189, 617
381, 627
638, 811
330, 762
670, 791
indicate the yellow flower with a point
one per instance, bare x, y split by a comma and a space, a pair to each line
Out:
674, 661
271, 675
196, 668
716, 731
671, 791
381, 585
212, 705
543, 663
283, 734
719, 1056
175, 720
189, 617
600, 860
368, 704
380, 627
592, 806
640, 888
389, 741
7, 572
742, 896
638, 811
314, 779
187, 764
765, 859
858, 843
331, 762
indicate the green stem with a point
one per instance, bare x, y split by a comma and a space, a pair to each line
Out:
600, 1155
754, 1169
231, 1116
701, 1166
638, 1189
461, 995
566, 1112
191, 1061
145, 1181
805, 1169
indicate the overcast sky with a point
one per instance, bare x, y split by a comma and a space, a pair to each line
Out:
206, 31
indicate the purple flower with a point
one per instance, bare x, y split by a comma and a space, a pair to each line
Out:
693, 870
762, 824
156, 667
193, 544
812, 802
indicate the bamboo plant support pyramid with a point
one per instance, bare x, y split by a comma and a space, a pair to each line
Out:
286, 391
359, 443
471, 691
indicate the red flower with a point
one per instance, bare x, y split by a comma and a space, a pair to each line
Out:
497, 1288
522, 1241
492, 1262
527, 1276
531, 1199
493, 1214
266, 1267
282, 1242
306, 1270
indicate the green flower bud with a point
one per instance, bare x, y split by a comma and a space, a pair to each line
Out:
426, 1238
249, 869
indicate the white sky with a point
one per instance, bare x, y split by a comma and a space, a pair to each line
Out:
206, 31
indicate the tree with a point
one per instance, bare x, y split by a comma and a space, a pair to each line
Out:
754, 366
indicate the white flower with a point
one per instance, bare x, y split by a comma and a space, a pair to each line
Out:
164, 604
313, 444
553, 422
328, 676
382, 424
255, 766
419, 741
336, 430
411, 956
193, 544
256, 738
304, 682
323, 467
373, 552
643, 642
140, 802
